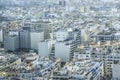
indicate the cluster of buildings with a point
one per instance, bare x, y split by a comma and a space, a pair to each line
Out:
80, 69
27, 67
60, 40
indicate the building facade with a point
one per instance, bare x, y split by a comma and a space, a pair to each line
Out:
44, 48
24, 37
35, 38
11, 43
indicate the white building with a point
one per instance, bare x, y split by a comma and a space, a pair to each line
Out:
14, 33
84, 36
109, 59
80, 70
11, 43
82, 54
35, 38
63, 51
44, 48
116, 72
61, 35
1, 35
66, 44
39, 68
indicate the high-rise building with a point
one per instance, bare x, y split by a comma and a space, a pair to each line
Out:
35, 38
44, 48
116, 71
46, 28
11, 43
24, 36
66, 43
63, 51
1, 35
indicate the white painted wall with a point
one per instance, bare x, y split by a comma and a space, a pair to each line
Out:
44, 48
35, 38
61, 35
62, 51
116, 71
1, 36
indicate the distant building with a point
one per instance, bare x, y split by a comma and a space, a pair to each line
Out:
13, 33
46, 28
111, 59
107, 37
24, 39
84, 36
66, 43
82, 54
61, 35
108, 58
68, 34
44, 48
35, 38
116, 71
1, 35
63, 51
62, 2
80, 70
11, 43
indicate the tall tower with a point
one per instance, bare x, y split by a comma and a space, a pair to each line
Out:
24, 36
11, 43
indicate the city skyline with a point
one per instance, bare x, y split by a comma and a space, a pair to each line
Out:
59, 39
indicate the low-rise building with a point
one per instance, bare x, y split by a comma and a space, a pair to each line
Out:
80, 70
32, 67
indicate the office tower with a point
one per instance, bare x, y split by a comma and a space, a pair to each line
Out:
11, 43
24, 37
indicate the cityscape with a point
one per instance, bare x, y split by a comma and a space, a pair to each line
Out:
59, 39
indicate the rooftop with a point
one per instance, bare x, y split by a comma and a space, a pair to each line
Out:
81, 68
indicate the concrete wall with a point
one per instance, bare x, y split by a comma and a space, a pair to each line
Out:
62, 51
35, 38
